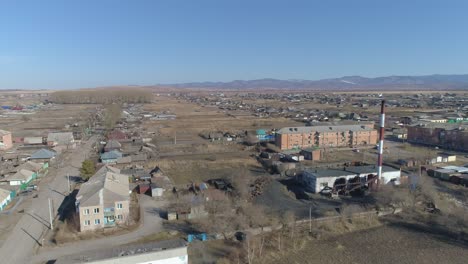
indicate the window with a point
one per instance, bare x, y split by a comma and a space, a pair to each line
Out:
324, 184
96, 210
87, 222
97, 221
119, 206
86, 211
119, 217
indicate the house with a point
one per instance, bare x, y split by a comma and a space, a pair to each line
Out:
311, 154
112, 145
5, 198
65, 139
6, 141
43, 155
22, 177
111, 157
315, 180
34, 167
104, 200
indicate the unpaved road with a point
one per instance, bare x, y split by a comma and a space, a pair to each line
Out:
152, 223
28, 232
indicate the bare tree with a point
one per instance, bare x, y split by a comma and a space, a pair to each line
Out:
241, 182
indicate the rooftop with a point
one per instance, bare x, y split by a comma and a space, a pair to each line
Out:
446, 126
4, 194
166, 249
105, 187
4, 132
60, 137
313, 129
22, 174
346, 171
43, 154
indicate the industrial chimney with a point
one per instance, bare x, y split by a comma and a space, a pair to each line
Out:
381, 138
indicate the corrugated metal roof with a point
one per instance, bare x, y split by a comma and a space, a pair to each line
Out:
346, 171
43, 154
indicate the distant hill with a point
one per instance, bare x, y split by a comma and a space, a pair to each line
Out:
427, 82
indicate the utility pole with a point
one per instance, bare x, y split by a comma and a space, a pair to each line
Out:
175, 138
50, 215
310, 219
69, 187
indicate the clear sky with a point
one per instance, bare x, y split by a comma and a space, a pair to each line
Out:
87, 43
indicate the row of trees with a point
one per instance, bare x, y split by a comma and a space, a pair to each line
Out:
102, 96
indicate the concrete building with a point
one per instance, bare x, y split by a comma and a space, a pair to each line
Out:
317, 179
449, 136
104, 200
162, 252
6, 141
326, 136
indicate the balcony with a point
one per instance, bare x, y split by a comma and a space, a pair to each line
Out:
109, 212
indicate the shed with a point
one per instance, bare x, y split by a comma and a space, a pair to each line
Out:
311, 154
446, 157
33, 141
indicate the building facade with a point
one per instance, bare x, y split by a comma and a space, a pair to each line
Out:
449, 136
104, 201
326, 136
316, 180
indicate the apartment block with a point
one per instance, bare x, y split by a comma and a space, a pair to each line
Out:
326, 136
104, 201
444, 135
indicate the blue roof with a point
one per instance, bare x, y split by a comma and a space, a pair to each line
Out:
114, 154
261, 132
43, 154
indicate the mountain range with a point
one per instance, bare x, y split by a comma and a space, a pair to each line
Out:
426, 82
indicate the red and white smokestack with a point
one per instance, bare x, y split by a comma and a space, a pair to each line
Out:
381, 139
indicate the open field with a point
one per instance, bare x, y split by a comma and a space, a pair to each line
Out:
386, 244
45, 119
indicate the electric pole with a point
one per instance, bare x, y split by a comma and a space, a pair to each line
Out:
50, 214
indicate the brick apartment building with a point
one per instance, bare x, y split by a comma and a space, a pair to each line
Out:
326, 136
449, 136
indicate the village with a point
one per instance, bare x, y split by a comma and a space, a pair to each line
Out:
182, 170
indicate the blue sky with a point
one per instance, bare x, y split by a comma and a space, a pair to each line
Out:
72, 44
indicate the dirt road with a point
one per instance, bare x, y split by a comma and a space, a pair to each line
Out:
152, 223
28, 232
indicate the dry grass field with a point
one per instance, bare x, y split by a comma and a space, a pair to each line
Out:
45, 119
